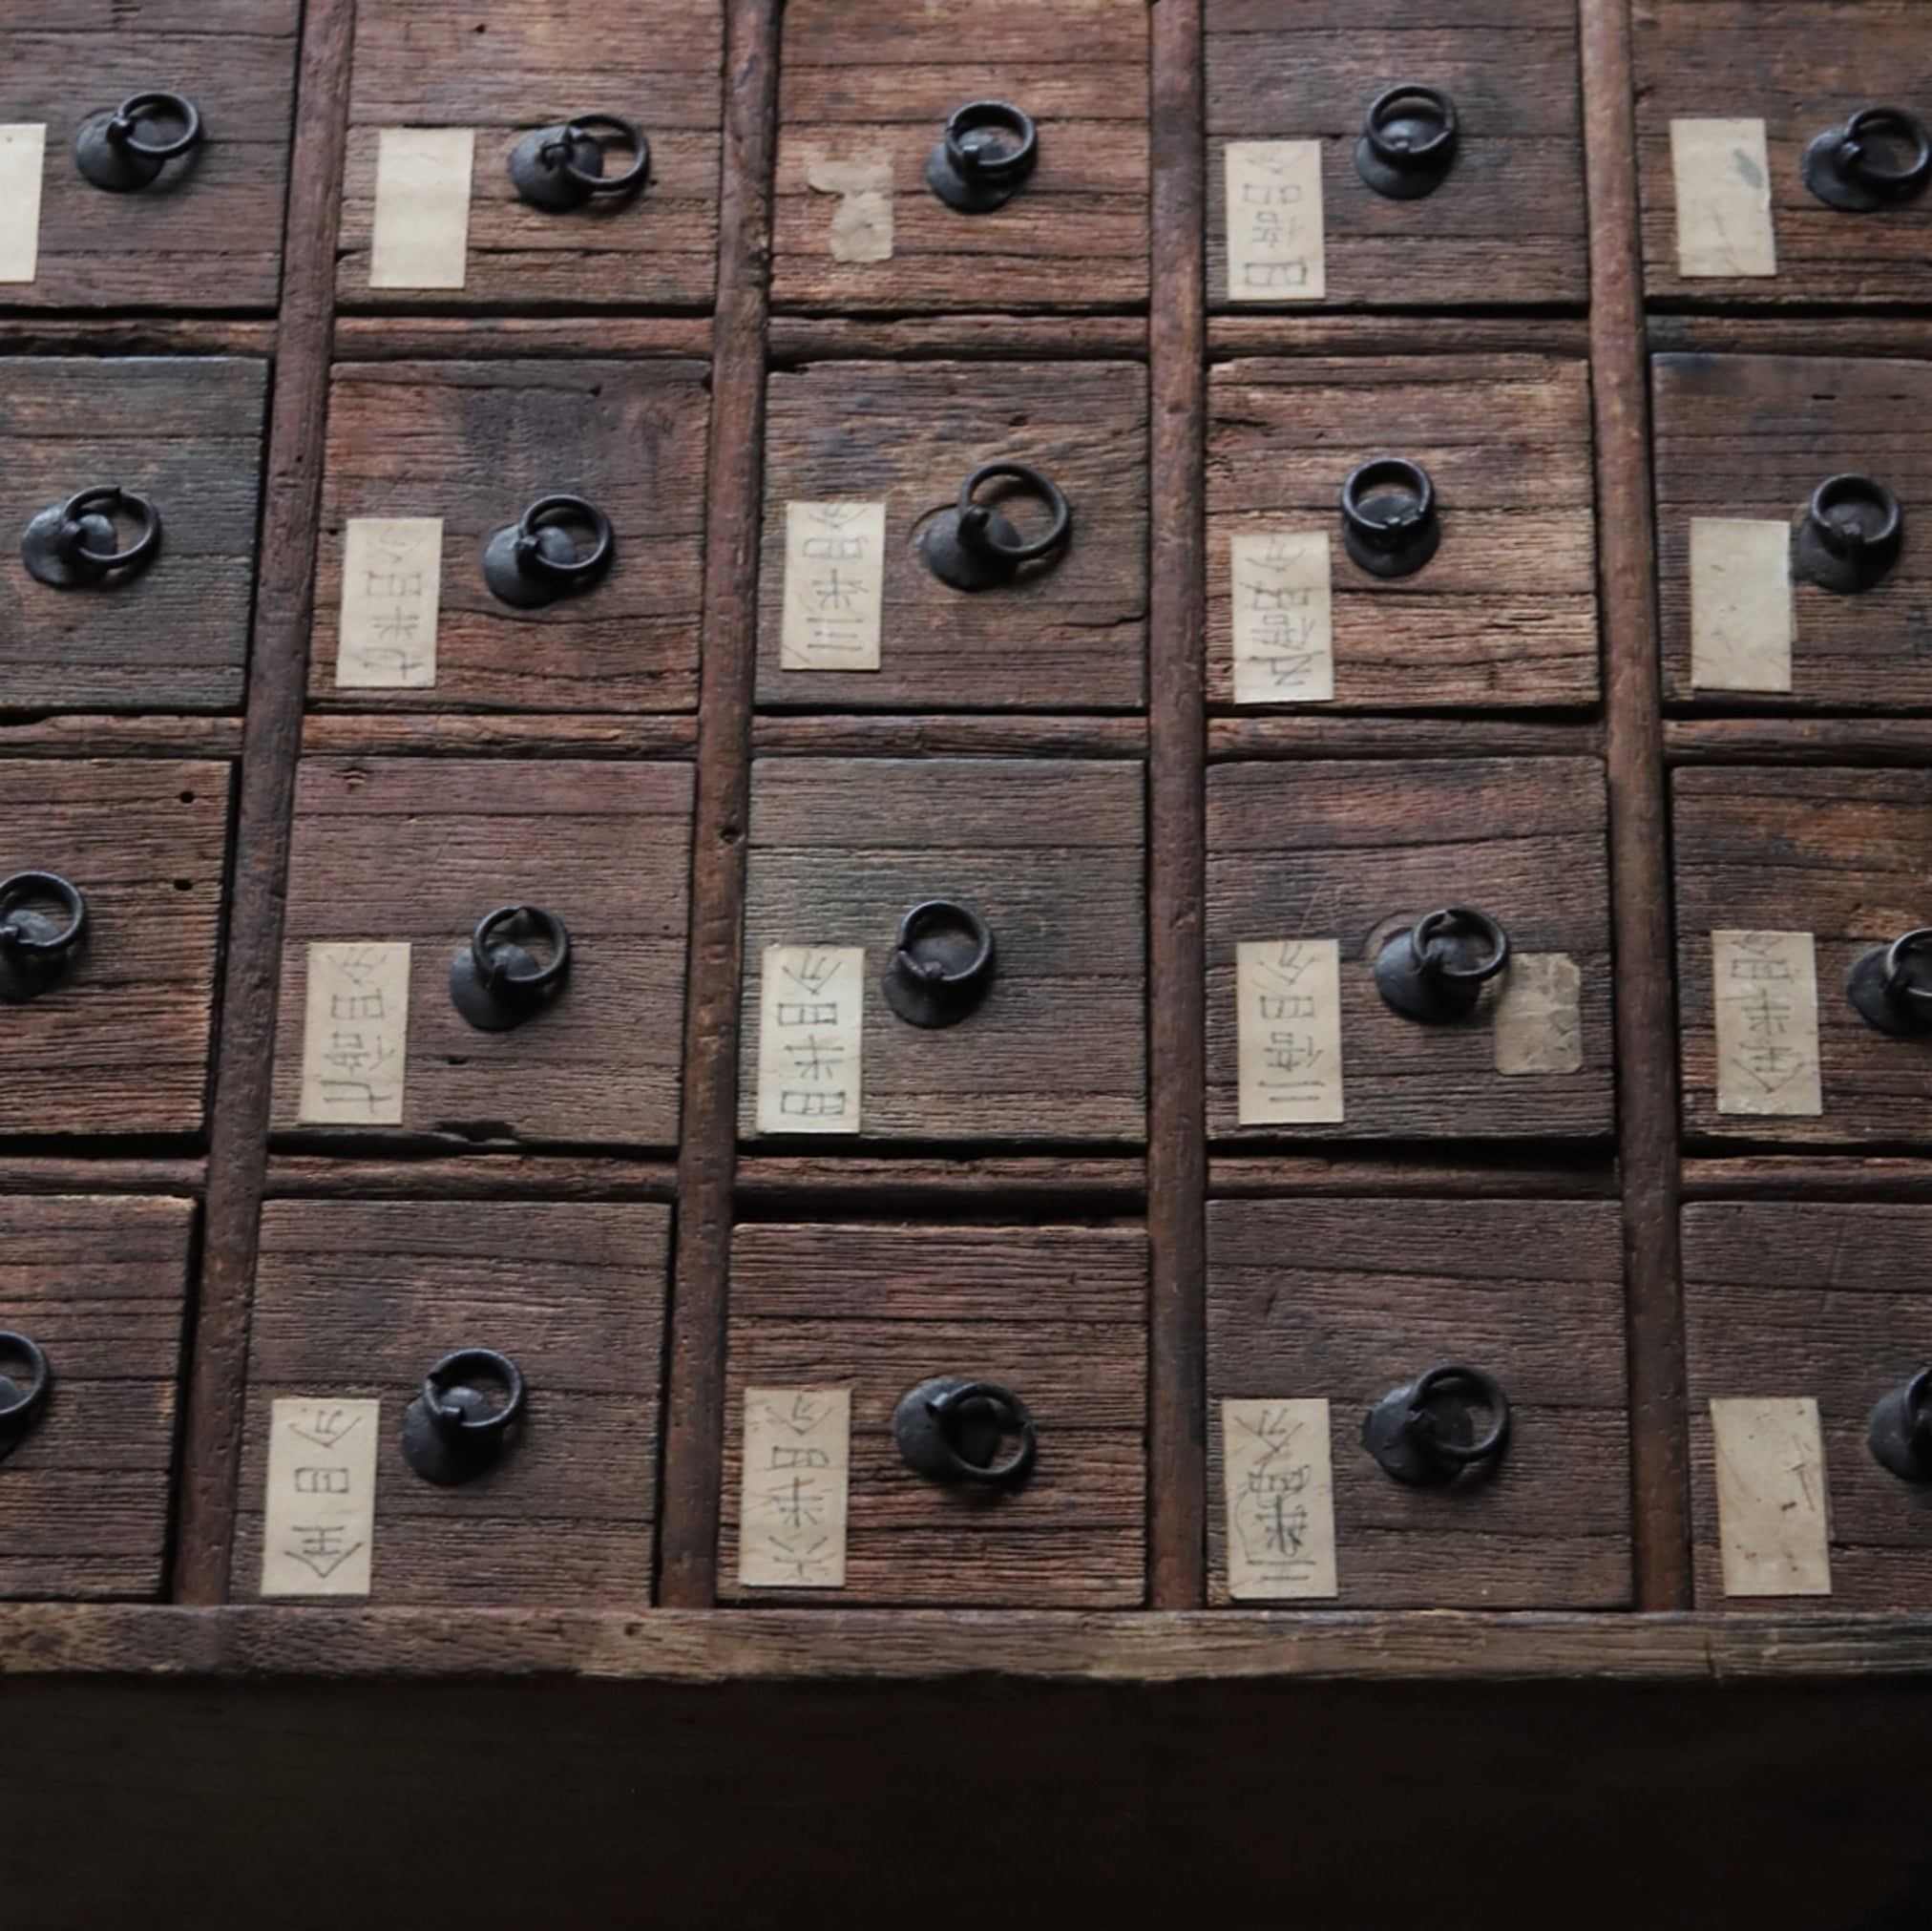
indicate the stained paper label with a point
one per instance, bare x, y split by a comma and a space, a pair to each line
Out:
1742, 619
791, 1522
1281, 1502
355, 1036
391, 591
811, 1008
319, 1512
1721, 169
862, 222
422, 218
834, 586
1765, 1000
1538, 1027
1773, 1512
23, 155
1275, 221
1284, 638
1288, 992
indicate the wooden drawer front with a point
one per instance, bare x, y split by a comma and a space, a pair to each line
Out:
359, 1300
185, 434
872, 83
1800, 70
207, 233
1050, 855
99, 1285
475, 444
1068, 633
1842, 857
416, 850
1506, 223
1504, 613
503, 73
119, 1043
1056, 1314
1356, 854
1345, 1300
1752, 437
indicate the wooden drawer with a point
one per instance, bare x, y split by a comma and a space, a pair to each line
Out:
1056, 1314
186, 436
429, 64
866, 88
358, 1300
1067, 632
414, 851
118, 1043
471, 446
1506, 224
1337, 859
1345, 1300
1503, 614
99, 1286
1049, 855
206, 233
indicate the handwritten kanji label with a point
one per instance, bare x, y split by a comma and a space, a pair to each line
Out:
834, 586
791, 1524
1537, 1026
1764, 993
23, 155
810, 1007
1284, 638
1289, 993
1721, 173
421, 238
391, 591
355, 1036
861, 228
1774, 1510
1279, 1485
1275, 247
1742, 618
319, 1512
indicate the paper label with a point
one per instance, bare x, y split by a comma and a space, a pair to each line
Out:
1288, 992
862, 222
1275, 221
355, 1036
1284, 638
23, 154
811, 1009
1721, 169
1537, 1025
1773, 1512
791, 1524
1281, 1502
834, 586
1742, 618
319, 1512
1764, 995
422, 218
391, 591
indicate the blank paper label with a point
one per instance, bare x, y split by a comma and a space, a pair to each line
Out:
811, 1009
862, 221
1288, 992
1742, 623
1281, 1502
391, 590
1275, 221
355, 1036
422, 220
1774, 1515
1538, 1027
1722, 172
1284, 639
1765, 999
319, 1513
834, 586
23, 152
791, 1524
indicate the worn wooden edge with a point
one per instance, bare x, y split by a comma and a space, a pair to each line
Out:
1797, 741
1261, 1176
797, 339
77, 734
1429, 332
829, 1188
959, 734
46, 1174
1792, 332
1446, 736
49, 332
408, 338
409, 734
470, 1176
1797, 1176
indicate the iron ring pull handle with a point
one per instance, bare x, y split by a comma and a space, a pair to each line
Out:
1408, 142
496, 984
948, 1429
454, 1432
73, 545
941, 965
1886, 991
1389, 524
1842, 171
1421, 1433
107, 152
1851, 534
1435, 971
36, 950
973, 546
537, 560
19, 1405
1899, 1429
983, 158
561, 167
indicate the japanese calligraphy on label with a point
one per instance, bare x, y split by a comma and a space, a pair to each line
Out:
810, 1006
355, 1036
391, 590
23, 154
1773, 1511
1289, 1032
1275, 249
421, 237
862, 222
1742, 618
1721, 172
792, 1525
319, 1513
1281, 1502
1765, 1002
834, 586
1284, 639
1537, 1026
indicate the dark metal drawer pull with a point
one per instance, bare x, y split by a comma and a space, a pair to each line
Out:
1882, 155
539, 557
1890, 986
1408, 142
1434, 971
74, 545
984, 157
950, 1430
38, 949
1424, 1434
1850, 536
1900, 1429
496, 984
20, 1404
973, 546
562, 167
942, 964
1389, 522
109, 154
453, 1432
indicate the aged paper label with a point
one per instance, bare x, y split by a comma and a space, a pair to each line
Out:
319, 1512
23, 154
1764, 995
1742, 620
1284, 638
422, 220
1773, 1513
811, 1013
391, 590
1288, 992
1721, 171
862, 222
1281, 1500
1275, 221
834, 586
791, 1524
355, 1036
1537, 1026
